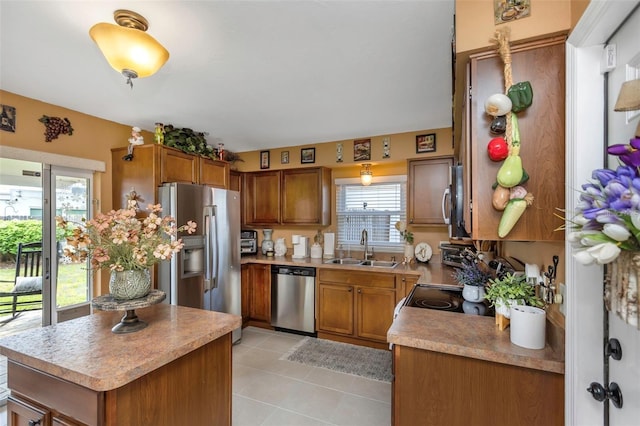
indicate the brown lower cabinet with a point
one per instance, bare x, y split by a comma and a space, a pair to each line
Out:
256, 294
355, 307
433, 388
194, 389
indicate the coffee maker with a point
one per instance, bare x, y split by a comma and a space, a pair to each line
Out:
300, 246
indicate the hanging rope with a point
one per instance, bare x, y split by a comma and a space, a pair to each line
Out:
501, 39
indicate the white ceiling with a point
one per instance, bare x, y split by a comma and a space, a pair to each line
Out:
252, 74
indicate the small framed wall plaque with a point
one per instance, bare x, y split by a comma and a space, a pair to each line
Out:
307, 155
362, 149
8, 118
426, 143
284, 157
264, 159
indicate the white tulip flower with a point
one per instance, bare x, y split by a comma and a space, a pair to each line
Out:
401, 226
584, 257
635, 219
604, 253
615, 231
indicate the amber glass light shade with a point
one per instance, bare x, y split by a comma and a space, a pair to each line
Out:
129, 49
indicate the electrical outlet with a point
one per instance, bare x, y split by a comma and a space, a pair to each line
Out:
562, 290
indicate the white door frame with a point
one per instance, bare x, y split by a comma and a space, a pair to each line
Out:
584, 142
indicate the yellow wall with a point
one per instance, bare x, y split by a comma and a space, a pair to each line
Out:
475, 24
92, 137
402, 145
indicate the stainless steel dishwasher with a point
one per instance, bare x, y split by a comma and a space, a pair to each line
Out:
293, 290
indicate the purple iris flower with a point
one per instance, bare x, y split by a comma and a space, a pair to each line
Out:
604, 175
627, 171
609, 217
629, 153
592, 213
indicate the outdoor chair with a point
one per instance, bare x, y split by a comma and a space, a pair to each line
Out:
27, 283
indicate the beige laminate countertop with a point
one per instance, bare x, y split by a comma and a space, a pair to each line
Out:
470, 336
429, 273
85, 351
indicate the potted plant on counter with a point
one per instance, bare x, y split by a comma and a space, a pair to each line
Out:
474, 275
510, 290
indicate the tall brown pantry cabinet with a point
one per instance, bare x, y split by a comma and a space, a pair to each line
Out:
542, 129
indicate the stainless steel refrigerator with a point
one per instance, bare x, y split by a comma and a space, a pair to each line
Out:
205, 274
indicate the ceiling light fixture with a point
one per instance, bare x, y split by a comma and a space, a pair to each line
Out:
629, 96
366, 176
127, 47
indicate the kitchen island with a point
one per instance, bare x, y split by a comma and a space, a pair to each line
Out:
456, 369
175, 371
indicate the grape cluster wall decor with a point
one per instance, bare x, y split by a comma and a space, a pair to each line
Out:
54, 126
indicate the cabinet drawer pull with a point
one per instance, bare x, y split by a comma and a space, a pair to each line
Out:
35, 422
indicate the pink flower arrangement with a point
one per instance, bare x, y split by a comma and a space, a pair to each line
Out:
118, 240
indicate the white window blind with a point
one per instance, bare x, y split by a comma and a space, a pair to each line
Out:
375, 208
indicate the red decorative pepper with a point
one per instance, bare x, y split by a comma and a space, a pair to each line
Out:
498, 149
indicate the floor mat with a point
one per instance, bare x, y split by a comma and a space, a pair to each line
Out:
343, 357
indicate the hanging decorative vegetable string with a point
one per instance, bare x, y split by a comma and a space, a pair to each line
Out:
509, 195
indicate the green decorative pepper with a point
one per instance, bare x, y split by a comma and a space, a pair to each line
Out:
521, 95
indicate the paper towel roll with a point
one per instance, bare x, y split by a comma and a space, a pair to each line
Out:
528, 325
295, 239
532, 272
329, 244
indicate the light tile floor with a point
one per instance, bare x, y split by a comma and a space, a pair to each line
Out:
270, 391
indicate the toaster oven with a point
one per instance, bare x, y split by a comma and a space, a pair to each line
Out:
248, 242
451, 254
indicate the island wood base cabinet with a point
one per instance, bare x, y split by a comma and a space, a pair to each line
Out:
194, 389
438, 389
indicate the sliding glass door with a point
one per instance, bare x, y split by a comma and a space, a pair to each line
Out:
67, 194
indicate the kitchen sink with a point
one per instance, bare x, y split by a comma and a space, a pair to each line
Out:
358, 262
379, 263
344, 261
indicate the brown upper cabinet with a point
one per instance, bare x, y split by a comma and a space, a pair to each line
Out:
261, 196
428, 179
153, 165
542, 129
293, 197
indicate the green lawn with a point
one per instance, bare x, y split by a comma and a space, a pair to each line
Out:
71, 284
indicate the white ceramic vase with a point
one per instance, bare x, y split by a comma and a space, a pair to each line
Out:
280, 247
409, 252
473, 293
504, 307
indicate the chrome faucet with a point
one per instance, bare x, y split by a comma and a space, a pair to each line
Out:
364, 240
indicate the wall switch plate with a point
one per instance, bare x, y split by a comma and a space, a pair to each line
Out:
608, 62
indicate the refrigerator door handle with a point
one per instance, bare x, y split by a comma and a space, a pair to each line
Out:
207, 213
210, 248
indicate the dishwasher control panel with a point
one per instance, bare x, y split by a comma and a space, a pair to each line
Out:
293, 270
